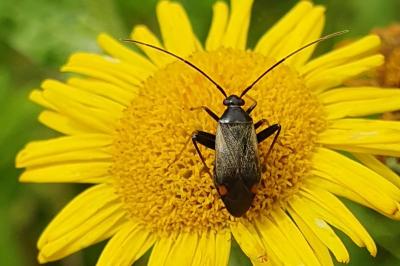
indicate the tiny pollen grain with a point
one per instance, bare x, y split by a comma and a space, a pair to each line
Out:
158, 124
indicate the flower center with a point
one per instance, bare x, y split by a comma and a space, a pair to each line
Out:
157, 172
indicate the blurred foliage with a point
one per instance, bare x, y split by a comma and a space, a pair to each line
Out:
36, 38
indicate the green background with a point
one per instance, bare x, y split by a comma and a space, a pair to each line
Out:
36, 38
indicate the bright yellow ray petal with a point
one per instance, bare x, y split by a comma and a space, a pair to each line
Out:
143, 34
183, 249
336, 213
355, 108
319, 248
276, 242
105, 89
160, 251
117, 50
36, 96
249, 241
126, 246
362, 133
357, 93
218, 26
172, 20
328, 78
294, 236
89, 147
374, 164
281, 29
92, 117
115, 67
352, 52
92, 216
63, 124
85, 172
375, 189
80, 96
101, 75
308, 29
205, 243
238, 24
320, 228
222, 248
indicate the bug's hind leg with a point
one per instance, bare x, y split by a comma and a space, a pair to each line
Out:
205, 139
209, 112
264, 134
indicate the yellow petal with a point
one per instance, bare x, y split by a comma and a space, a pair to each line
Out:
89, 147
92, 216
276, 242
115, 67
324, 79
365, 46
294, 236
222, 248
126, 246
59, 89
320, 228
105, 89
307, 30
238, 25
366, 183
63, 124
218, 26
36, 96
183, 249
354, 108
362, 133
173, 20
249, 241
101, 75
203, 256
90, 116
335, 212
117, 50
160, 251
319, 248
356, 94
282, 28
143, 34
374, 164
85, 172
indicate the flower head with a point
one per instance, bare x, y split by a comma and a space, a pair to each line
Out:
127, 121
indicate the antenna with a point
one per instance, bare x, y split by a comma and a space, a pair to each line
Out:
183, 60
291, 54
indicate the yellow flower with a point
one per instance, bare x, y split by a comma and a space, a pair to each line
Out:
126, 118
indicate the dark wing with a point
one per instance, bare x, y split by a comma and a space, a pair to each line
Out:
236, 154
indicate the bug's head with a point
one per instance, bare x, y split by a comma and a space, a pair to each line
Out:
233, 100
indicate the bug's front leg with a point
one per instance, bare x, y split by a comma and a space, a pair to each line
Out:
205, 139
252, 106
209, 112
264, 134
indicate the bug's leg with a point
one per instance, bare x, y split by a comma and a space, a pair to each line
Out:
205, 139
209, 112
201, 137
264, 134
260, 123
252, 106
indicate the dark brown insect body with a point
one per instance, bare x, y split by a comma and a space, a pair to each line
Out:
237, 165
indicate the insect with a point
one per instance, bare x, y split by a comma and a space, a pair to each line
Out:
237, 170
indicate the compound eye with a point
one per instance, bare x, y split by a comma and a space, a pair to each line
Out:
222, 190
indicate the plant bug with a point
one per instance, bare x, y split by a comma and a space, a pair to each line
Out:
237, 170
